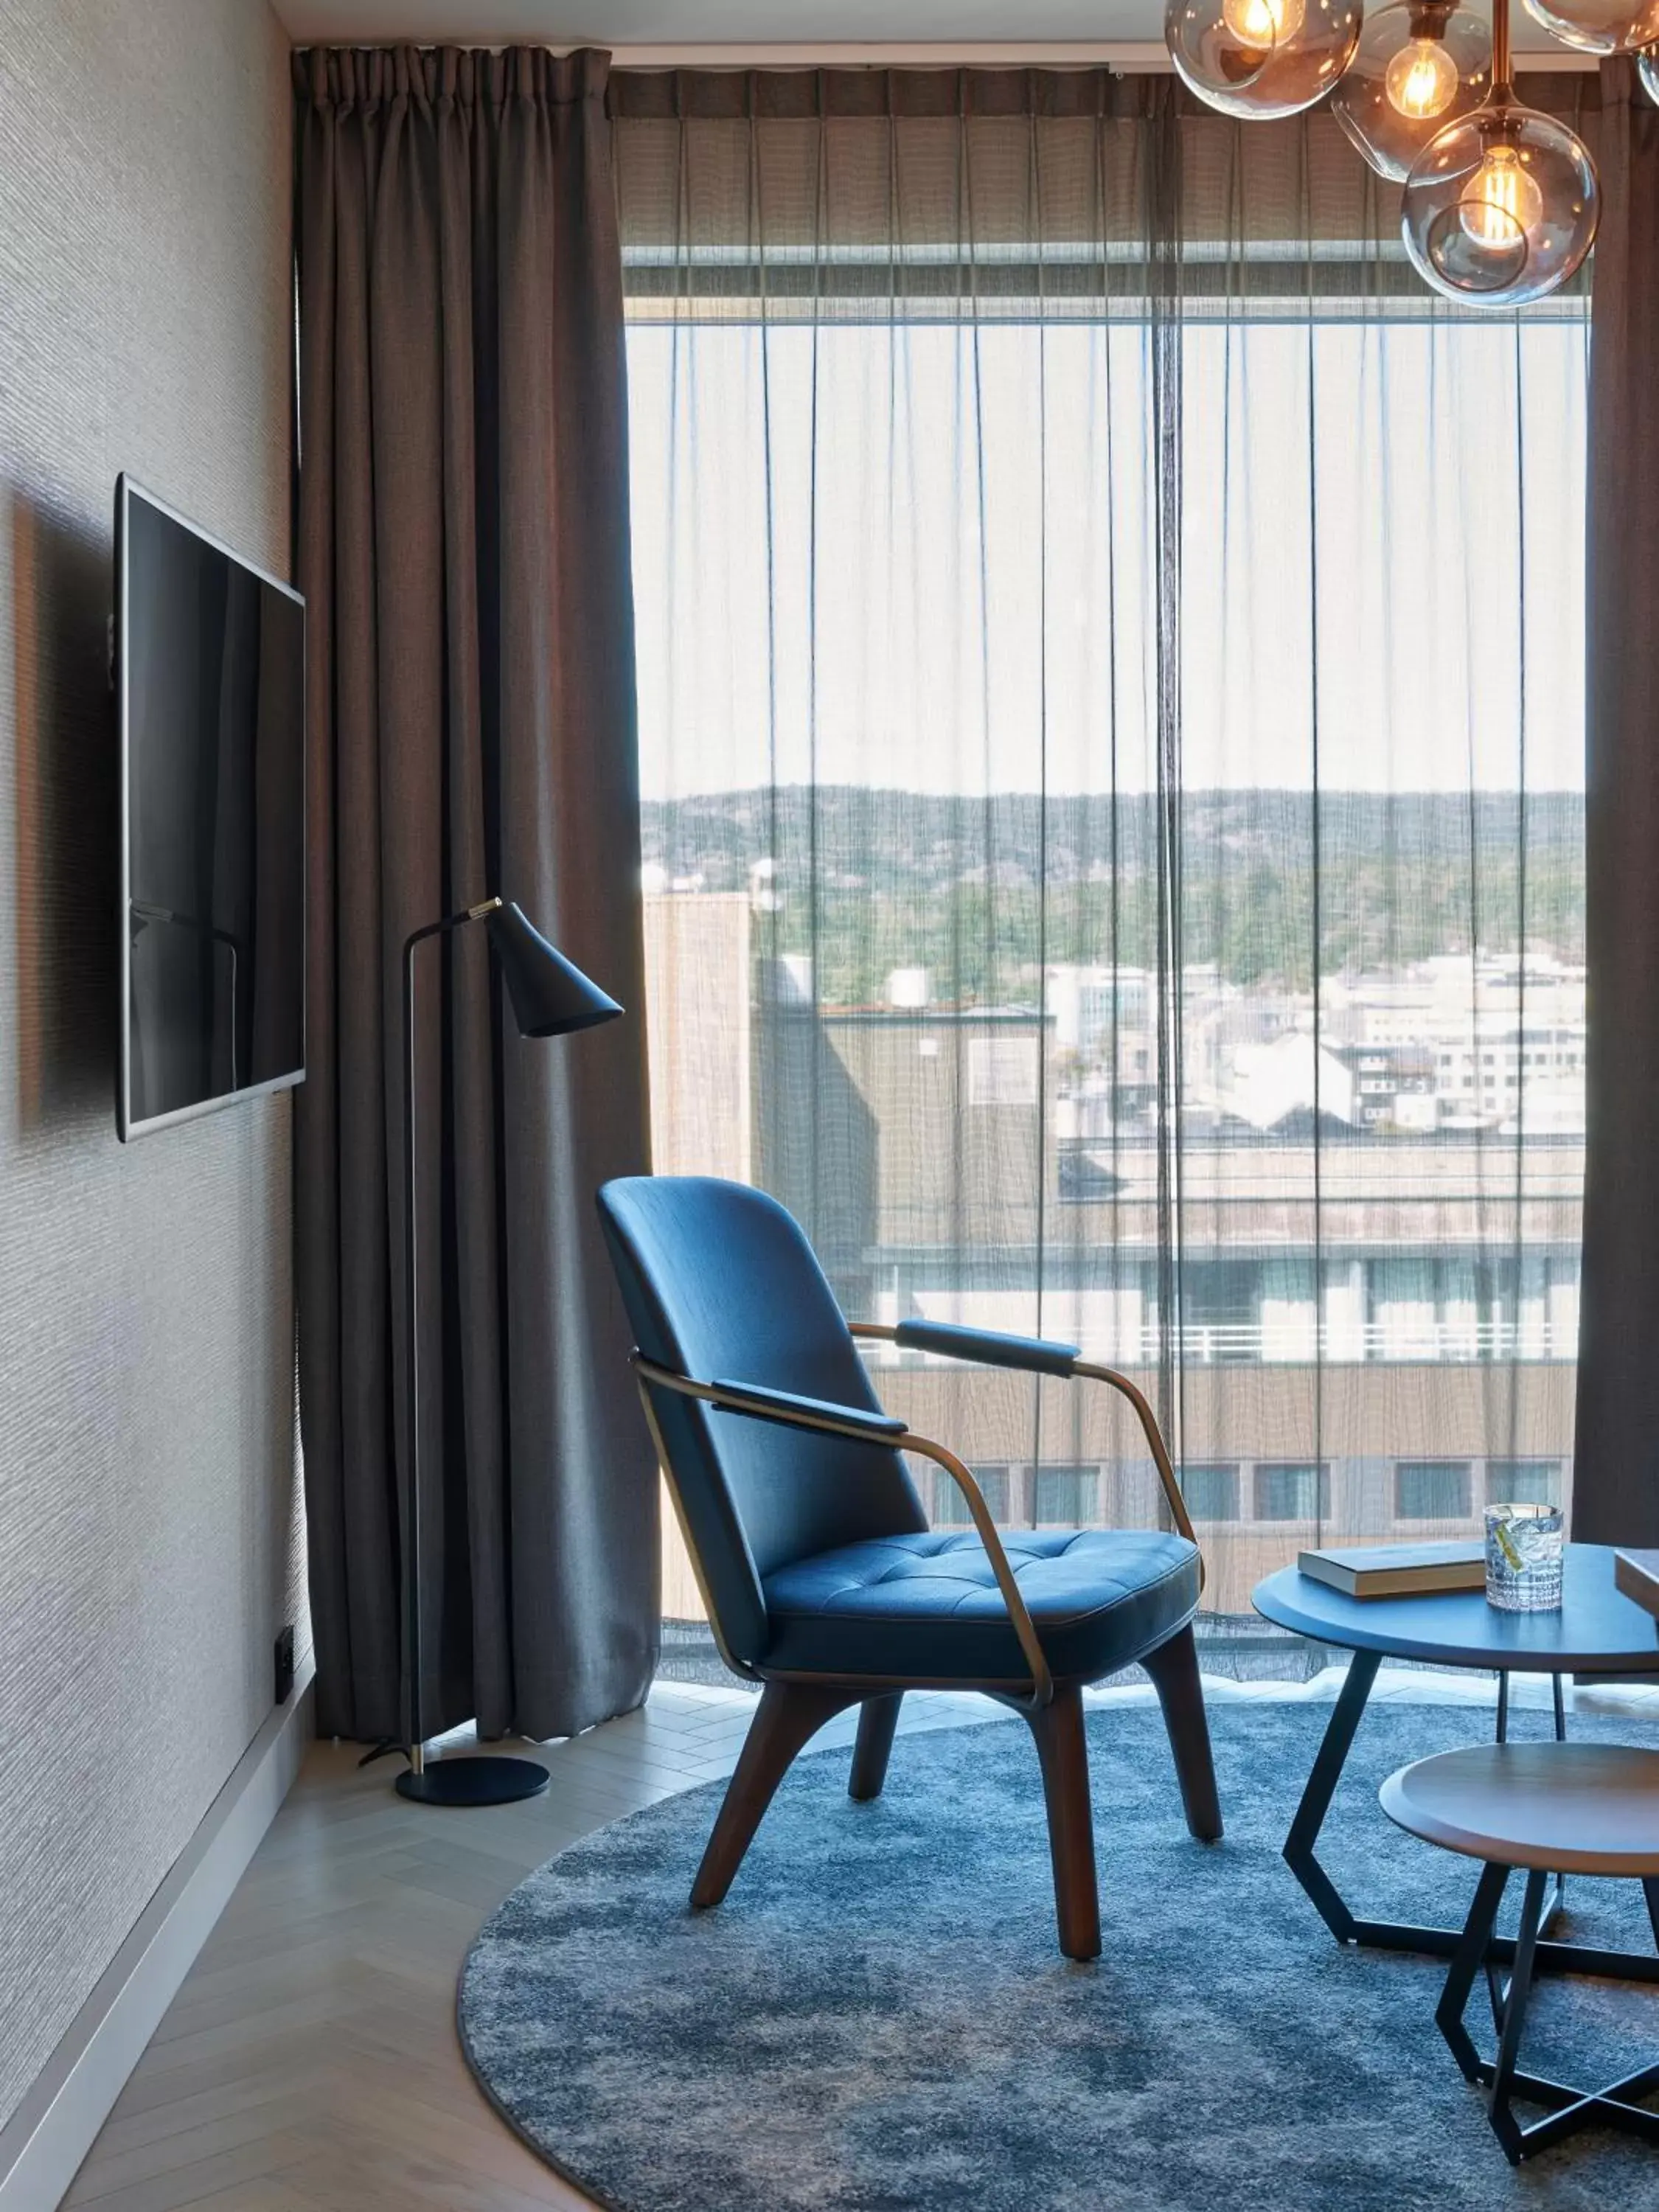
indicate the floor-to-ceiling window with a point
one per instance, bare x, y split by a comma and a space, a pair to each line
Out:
1111, 707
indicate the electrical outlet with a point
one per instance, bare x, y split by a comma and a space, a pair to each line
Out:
284, 1664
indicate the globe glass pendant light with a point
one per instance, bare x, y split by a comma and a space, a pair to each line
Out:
1599, 26
1266, 58
1419, 65
1500, 206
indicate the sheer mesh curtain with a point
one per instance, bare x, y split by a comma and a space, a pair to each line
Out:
1111, 673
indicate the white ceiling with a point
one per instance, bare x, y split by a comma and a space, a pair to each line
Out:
1064, 29
1070, 23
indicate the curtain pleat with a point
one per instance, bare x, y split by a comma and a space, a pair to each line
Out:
464, 554
1617, 1500
1110, 653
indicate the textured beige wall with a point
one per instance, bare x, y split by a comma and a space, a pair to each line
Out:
149, 1530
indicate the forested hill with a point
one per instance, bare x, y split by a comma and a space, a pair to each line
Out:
916, 878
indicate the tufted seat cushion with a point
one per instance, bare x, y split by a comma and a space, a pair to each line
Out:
927, 1605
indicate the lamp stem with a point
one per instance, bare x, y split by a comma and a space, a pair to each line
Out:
1502, 66
472, 1780
414, 1729
414, 1735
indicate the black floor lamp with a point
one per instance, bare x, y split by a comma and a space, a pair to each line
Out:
549, 998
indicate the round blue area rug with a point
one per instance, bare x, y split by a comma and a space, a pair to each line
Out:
878, 2019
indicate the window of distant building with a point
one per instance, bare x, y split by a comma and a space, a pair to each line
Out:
1210, 1491
949, 1508
1220, 1302
1004, 1071
1523, 1482
1292, 1490
1066, 1496
1432, 1489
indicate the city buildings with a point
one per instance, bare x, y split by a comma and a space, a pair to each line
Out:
1321, 1248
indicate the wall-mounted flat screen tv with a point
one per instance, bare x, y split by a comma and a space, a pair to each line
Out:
209, 681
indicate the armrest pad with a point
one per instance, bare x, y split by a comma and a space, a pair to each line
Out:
989, 1347
780, 1405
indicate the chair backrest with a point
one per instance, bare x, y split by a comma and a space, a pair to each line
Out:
720, 1284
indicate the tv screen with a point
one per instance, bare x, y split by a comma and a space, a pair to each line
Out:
210, 688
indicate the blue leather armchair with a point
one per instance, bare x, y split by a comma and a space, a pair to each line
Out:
822, 1579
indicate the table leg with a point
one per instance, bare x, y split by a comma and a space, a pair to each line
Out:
1299, 1854
1467, 1962
1621, 2104
1503, 1730
1302, 1857
1505, 2123
1555, 1897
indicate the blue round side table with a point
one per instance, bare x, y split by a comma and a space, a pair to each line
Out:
1597, 1631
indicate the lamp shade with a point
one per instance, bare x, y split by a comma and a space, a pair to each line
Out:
1419, 66
1250, 58
550, 996
1500, 207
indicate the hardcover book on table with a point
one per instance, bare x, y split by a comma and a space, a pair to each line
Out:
1637, 1573
1397, 1570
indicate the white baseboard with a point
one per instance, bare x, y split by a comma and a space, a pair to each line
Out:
42, 2145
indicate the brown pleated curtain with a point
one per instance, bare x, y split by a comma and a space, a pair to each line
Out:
1617, 1495
463, 548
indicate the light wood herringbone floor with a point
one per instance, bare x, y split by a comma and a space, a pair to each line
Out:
310, 2059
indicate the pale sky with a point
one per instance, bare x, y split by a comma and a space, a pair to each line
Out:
890, 626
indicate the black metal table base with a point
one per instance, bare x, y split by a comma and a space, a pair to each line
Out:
1618, 2105
1548, 1956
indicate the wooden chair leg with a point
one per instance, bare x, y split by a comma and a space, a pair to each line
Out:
1174, 1669
1063, 1752
878, 1718
790, 1713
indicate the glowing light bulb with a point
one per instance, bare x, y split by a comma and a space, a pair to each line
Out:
1263, 24
1502, 203
1421, 80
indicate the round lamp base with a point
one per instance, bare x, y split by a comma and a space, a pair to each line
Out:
470, 1781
